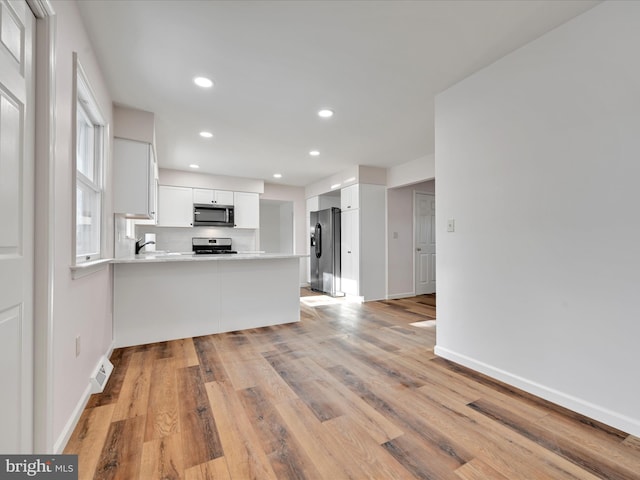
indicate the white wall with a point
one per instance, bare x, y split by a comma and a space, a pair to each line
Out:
286, 228
179, 178
400, 242
83, 306
349, 176
276, 226
270, 227
537, 162
288, 193
417, 170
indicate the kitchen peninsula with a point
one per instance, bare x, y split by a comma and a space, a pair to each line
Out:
170, 296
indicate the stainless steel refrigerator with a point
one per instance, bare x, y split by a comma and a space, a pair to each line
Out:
325, 251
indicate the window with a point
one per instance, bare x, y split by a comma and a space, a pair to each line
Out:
89, 160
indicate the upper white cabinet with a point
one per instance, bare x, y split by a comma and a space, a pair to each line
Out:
219, 197
350, 197
175, 206
246, 209
153, 190
134, 179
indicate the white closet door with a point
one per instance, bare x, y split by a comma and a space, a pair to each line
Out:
16, 232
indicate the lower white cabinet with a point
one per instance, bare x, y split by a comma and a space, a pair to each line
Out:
246, 210
350, 251
175, 206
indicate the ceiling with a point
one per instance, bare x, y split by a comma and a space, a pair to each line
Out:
377, 64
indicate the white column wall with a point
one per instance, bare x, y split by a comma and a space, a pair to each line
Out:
537, 162
81, 307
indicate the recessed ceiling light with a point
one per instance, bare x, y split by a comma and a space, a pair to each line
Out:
193, 165
350, 179
334, 186
325, 113
277, 175
314, 153
206, 134
203, 82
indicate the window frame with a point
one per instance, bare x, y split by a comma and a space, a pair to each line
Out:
84, 98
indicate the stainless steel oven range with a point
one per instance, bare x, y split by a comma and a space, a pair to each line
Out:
211, 246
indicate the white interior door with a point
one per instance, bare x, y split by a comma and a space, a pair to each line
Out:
16, 226
425, 254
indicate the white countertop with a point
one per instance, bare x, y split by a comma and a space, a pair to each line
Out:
189, 257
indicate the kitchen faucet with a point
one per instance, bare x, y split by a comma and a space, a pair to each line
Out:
140, 245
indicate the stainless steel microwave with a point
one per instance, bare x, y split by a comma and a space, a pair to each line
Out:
208, 215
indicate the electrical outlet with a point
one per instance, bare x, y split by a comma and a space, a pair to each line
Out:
451, 225
78, 346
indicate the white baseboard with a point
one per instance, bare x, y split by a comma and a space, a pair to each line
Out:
65, 435
583, 407
396, 296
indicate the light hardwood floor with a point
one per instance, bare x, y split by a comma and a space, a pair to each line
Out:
352, 391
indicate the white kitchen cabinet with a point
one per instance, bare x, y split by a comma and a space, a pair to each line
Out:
363, 241
153, 190
350, 197
175, 206
246, 210
350, 251
205, 195
134, 179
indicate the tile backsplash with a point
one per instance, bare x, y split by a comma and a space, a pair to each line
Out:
124, 246
178, 239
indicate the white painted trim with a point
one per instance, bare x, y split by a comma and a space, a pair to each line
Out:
575, 404
396, 296
65, 435
413, 240
41, 8
46, 39
83, 269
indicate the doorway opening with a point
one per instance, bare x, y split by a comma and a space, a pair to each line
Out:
402, 259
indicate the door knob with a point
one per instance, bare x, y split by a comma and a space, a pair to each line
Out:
418, 249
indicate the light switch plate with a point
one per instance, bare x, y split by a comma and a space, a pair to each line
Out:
451, 225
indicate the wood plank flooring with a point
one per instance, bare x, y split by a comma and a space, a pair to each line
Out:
352, 391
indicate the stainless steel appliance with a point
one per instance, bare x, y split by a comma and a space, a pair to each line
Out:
325, 251
212, 215
211, 246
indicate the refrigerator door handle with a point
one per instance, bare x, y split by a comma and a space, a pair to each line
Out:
318, 236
